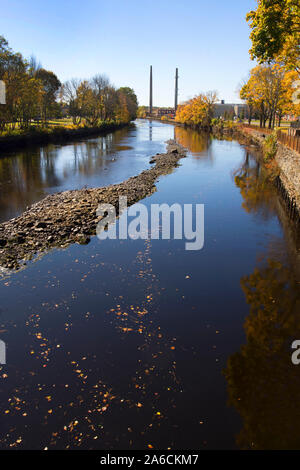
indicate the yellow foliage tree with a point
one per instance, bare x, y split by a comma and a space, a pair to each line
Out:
269, 93
275, 32
198, 111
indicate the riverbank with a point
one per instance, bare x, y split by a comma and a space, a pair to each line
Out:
68, 217
287, 162
284, 170
58, 134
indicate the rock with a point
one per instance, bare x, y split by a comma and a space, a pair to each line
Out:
83, 239
70, 216
41, 225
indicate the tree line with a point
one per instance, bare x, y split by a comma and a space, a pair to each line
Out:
97, 100
36, 96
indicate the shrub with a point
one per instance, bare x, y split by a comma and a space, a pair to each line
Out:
217, 122
270, 147
230, 124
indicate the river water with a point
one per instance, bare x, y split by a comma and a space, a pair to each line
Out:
140, 343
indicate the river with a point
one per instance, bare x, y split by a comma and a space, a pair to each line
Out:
141, 344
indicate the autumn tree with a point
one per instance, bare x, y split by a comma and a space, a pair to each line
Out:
12, 69
289, 105
197, 112
142, 111
96, 100
30, 90
29, 100
103, 92
51, 85
263, 384
69, 96
33, 92
131, 101
33, 65
85, 100
122, 112
275, 32
269, 92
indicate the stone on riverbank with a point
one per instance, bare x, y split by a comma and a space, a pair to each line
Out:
70, 217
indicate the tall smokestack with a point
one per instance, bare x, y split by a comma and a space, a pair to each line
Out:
150, 104
176, 90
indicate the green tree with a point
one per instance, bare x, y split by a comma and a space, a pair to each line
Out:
131, 101
12, 69
51, 85
275, 32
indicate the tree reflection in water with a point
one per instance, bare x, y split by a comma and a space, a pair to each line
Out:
29, 175
263, 384
196, 142
256, 189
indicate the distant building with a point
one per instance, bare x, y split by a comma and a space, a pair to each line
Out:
159, 112
170, 112
231, 110
292, 118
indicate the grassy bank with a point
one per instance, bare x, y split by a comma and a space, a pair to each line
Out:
17, 138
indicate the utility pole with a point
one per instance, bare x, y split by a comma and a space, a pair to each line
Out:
176, 90
151, 96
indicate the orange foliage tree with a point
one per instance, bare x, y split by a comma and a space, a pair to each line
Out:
198, 111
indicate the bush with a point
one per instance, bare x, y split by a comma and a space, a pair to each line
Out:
270, 147
217, 122
230, 124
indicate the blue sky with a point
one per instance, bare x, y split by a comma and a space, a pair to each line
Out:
208, 40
